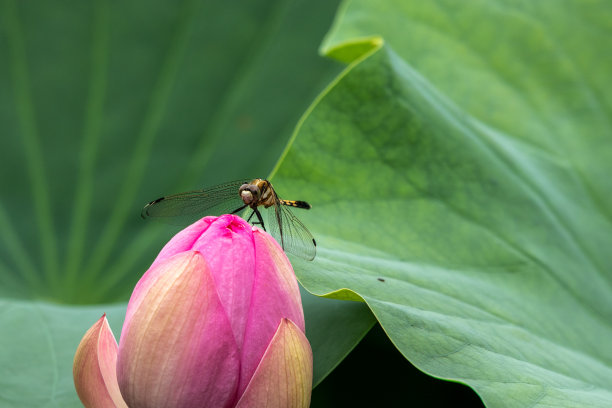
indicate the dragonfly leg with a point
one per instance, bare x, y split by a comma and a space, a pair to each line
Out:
238, 209
260, 220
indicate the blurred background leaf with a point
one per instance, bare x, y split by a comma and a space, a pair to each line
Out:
460, 172
106, 105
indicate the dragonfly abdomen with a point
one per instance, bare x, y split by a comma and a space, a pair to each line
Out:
297, 204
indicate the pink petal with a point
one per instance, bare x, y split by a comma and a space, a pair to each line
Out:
275, 295
184, 240
227, 245
177, 348
226, 242
283, 379
93, 370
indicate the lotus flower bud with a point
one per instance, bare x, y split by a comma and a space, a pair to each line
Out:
216, 321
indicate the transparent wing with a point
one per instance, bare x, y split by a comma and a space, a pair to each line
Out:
188, 207
290, 233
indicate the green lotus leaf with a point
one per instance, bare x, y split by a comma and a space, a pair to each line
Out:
459, 173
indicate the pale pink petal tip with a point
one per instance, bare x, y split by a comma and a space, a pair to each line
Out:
286, 368
94, 372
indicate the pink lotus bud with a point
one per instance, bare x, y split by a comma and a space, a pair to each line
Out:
94, 371
216, 321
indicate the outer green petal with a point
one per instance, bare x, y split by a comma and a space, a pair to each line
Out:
94, 372
283, 379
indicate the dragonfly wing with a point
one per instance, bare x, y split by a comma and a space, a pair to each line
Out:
188, 207
291, 234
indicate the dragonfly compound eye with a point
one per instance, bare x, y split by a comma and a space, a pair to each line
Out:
249, 193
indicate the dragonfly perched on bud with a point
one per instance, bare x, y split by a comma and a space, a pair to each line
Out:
237, 197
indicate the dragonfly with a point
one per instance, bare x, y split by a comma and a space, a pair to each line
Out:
238, 197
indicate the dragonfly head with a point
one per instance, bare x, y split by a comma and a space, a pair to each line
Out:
249, 193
